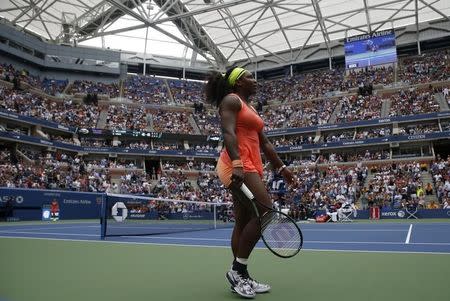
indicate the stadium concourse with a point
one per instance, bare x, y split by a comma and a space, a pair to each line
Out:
108, 188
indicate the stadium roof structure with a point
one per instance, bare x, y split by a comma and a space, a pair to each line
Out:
220, 31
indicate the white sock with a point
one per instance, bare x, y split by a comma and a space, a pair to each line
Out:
242, 260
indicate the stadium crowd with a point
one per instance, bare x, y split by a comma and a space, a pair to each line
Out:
172, 122
64, 112
398, 185
414, 129
366, 133
413, 101
90, 87
52, 171
146, 90
440, 171
208, 122
303, 100
356, 108
425, 68
121, 117
186, 92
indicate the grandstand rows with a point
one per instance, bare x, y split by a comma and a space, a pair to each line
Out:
340, 138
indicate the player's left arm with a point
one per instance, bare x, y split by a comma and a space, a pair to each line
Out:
271, 155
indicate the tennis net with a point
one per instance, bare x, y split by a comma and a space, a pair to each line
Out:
131, 215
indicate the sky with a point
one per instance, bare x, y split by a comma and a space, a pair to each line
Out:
158, 43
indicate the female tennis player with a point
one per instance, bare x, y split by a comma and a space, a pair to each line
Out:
240, 162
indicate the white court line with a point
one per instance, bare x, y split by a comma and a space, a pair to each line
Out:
47, 228
48, 233
306, 241
221, 247
151, 237
335, 230
352, 230
64, 222
227, 229
408, 237
177, 238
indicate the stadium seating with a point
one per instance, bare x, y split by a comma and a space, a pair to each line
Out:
319, 98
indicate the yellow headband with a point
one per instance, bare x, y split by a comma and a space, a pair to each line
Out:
235, 75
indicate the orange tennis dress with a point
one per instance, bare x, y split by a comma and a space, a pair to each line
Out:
248, 127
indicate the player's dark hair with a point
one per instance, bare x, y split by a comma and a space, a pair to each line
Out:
217, 87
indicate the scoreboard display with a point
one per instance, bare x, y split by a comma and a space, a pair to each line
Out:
117, 132
370, 49
131, 133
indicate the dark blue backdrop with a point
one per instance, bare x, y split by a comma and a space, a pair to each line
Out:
72, 205
84, 205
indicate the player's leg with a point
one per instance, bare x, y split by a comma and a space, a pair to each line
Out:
242, 216
250, 234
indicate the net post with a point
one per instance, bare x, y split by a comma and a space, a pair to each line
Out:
103, 217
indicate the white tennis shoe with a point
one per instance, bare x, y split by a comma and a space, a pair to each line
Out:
240, 285
258, 288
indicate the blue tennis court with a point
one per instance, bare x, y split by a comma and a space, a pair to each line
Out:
429, 237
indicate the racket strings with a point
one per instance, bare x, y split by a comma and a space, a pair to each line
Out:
281, 234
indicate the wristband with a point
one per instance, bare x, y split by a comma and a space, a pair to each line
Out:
237, 163
281, 168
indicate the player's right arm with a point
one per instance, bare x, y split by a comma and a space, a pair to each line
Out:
229, 108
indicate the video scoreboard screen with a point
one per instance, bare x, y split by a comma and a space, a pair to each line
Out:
131, 133
117, 132
370, 49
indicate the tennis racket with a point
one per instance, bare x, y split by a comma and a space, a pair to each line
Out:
279, 232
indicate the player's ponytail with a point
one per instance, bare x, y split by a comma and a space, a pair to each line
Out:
217, 87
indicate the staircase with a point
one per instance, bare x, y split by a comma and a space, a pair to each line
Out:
194, 125
149, 119
194, 184
336, 112
76, 140
385, 107
101, 123
169, 92
359, 202
116, 178
443, 106
67, 88
426, 178
369, 177
121, 84
24, 157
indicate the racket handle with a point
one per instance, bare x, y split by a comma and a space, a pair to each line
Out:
247, 191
